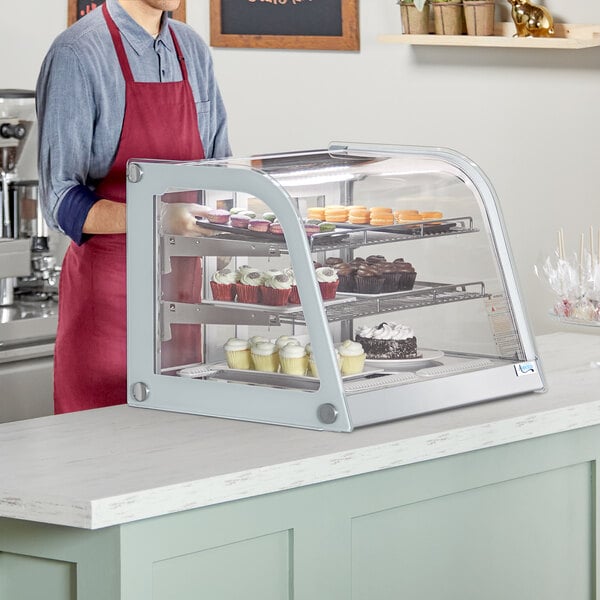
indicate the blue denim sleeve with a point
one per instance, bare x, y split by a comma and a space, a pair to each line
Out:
73, 210
66, 111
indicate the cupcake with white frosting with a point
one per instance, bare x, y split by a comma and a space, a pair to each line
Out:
293, 359
312, 363
327, 278
353, 357
248, 286
237, 353
222, 285
265, 357
276, 290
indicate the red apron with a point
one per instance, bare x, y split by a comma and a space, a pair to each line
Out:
90, 369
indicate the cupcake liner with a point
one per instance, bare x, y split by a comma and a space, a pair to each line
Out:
328, 289
368, 285
346, 283
223, 291
268, 363
274, 297
294, 366
247, 294
294, 296
391, 282
353, 364
407, 280
239, 359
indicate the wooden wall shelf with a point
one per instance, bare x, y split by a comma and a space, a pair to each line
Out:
566, 36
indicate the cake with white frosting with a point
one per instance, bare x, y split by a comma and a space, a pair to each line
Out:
388, 341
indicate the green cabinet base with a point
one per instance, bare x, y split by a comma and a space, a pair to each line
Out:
516, 521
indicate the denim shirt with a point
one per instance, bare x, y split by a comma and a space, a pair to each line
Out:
80, 101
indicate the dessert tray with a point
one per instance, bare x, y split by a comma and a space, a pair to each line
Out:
286, 308
208, 370
412, 228
267, 236
425, 356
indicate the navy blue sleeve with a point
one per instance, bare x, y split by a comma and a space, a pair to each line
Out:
73, 210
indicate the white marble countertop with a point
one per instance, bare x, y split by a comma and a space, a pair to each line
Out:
110, 466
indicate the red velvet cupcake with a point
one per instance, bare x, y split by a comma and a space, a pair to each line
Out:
327, 279
223, 285
248, 287
276, 290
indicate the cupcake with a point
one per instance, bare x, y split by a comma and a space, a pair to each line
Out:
294, 294
375, 258
276, 290
218, 216
269, 216
391, 276
243, 269
261, 225
353, 357
368, 280
240, 221
276, 228
237, 353
345, 273
327, 279
312, 363
257, 338
293, 359
333, 261
311, 229
284, 340
407, 276
248, 286
265, 357
222, 285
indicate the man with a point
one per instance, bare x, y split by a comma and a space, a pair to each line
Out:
124, 81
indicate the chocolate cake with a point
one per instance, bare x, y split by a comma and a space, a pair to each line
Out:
388, 341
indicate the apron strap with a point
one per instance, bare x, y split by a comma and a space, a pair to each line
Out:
180, 58
118, 43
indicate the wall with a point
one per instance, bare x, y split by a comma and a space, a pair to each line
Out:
527, 117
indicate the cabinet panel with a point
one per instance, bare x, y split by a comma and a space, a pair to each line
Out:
520, 539
32, 578
256, 568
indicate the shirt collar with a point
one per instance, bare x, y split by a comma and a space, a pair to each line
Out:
138, 38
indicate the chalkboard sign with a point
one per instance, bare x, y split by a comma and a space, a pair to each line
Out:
306, 24
80, 8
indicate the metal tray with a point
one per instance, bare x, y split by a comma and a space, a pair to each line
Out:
266, 236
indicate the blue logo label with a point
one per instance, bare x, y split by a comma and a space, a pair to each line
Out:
525, 368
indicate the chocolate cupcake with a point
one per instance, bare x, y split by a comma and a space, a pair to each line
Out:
391, 275
407, 276
332, 261
375, 258
368, 280
345, 272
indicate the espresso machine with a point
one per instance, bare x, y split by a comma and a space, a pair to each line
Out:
29, 268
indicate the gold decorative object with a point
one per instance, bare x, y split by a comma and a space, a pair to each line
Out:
531, 20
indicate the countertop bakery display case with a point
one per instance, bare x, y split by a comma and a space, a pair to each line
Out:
327, 289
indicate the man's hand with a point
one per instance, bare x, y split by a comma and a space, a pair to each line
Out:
179, 218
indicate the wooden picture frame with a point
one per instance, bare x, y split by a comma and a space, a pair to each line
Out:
78, 8
349, 27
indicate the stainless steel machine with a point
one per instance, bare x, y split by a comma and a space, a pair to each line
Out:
28, 268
